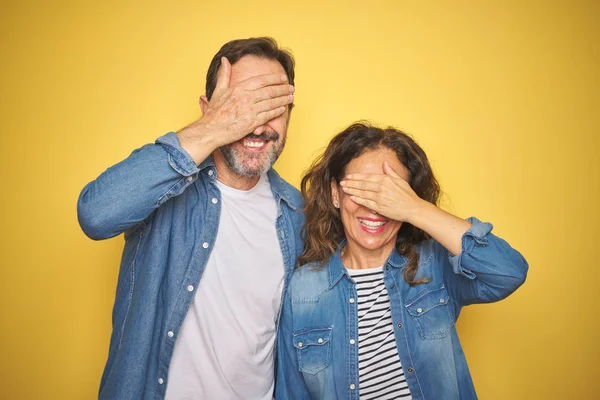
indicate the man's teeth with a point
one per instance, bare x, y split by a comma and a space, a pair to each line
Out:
253, 143
372, 224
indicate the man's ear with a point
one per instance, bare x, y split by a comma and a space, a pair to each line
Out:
203, 103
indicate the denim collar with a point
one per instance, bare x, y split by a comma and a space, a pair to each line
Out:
280, 187
337, 269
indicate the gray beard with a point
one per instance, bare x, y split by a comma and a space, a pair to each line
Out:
235, 160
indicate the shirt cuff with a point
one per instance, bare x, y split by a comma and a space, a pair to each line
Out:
179, 159
476, 236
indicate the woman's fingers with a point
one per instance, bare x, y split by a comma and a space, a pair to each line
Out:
364, 193
388, 170
362, 185
370, 204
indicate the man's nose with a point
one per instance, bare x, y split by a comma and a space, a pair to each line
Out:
259, 130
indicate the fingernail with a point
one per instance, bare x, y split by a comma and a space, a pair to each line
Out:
343, 183
283, 77
291, 97
292, 89
348, 176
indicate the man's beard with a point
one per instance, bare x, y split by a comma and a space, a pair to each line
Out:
249, 164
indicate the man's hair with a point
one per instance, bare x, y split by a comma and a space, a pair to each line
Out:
262, 47
323, 230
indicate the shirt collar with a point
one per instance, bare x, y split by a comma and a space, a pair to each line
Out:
337, 269
284, 190
280, 187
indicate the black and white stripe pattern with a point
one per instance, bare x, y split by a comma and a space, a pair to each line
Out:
380, 372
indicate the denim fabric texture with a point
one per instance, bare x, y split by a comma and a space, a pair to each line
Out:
317, 359
169, 209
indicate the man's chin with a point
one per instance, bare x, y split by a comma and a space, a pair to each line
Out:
247, 164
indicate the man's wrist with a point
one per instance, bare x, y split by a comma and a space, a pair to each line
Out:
198, 140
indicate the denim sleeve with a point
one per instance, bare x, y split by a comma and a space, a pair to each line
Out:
128, 192
488, 269
289, 383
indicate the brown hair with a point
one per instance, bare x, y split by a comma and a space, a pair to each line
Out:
262, 47
323, 230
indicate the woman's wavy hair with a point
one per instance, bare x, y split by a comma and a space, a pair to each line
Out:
323, 230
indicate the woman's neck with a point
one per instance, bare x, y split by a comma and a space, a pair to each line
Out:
357, 257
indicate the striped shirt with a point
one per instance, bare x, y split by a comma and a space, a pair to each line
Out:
380, 372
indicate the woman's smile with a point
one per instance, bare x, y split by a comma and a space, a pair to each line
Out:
372, 225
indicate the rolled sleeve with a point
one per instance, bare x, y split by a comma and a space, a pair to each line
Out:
487, 269
475, 236
179, 159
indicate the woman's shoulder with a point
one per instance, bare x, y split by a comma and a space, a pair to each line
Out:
310, 280
310, 271
427, 250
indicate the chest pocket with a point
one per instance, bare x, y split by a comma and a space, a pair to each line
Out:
432, 314
313, 347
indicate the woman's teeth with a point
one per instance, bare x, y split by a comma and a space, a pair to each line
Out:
372, 224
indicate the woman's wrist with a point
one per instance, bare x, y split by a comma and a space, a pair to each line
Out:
421, 213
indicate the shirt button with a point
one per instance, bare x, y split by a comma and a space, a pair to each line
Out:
387, 267
189, 178
205, 245
210, 172
442, 301
419, 310
160, 381
352, 386
393, 287
214, 200
320, 340
352, 341
170, 334
400, 326
190, 288
351, 300
300, 344
410, 370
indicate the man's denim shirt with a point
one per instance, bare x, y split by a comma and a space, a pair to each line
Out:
318, 360
169, 209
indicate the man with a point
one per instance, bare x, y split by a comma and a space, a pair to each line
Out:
212, 235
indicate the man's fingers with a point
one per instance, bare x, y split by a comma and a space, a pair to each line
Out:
261, 81
223, 76
271, 104
264, 117
270, 92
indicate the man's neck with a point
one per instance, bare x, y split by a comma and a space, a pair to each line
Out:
227, 177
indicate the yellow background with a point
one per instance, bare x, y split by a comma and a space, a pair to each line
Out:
503, 95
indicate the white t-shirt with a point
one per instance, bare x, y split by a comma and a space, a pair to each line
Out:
225, 347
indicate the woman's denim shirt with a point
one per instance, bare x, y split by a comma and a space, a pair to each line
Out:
318, 360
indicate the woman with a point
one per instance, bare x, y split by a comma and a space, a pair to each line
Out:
371, 311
